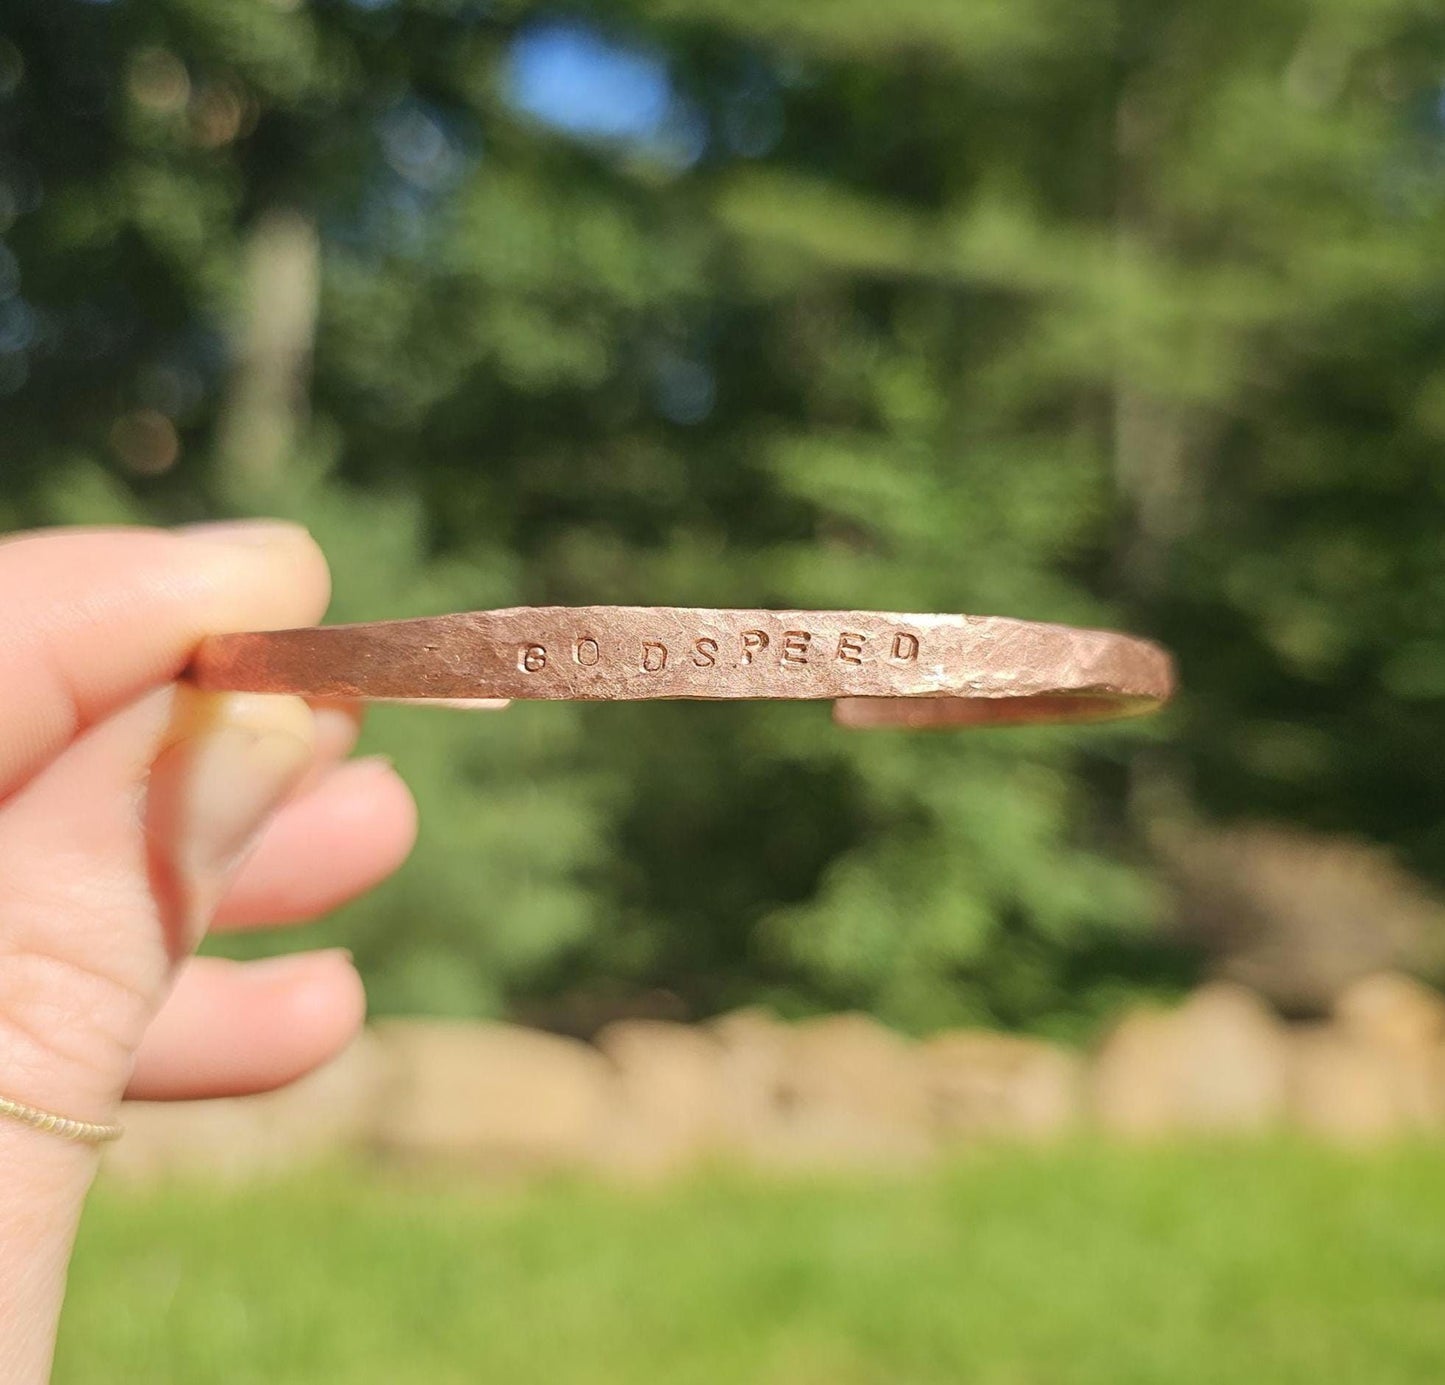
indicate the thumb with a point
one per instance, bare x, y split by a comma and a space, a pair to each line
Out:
112, 861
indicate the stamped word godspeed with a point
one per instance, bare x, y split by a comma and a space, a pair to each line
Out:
966, 669
793, 648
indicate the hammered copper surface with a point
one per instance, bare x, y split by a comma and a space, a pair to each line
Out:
885, 668
948, 670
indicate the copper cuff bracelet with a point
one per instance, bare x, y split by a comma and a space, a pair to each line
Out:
880, 668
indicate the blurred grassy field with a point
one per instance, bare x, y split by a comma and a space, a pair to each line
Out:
1272, 1264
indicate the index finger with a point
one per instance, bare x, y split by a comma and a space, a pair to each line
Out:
89, 619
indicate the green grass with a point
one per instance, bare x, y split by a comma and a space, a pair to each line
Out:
1249, 1265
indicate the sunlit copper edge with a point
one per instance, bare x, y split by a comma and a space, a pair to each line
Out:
950, 713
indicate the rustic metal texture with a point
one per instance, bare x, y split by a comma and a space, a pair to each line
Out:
885, 668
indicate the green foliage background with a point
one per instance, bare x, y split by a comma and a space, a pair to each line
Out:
1084, 310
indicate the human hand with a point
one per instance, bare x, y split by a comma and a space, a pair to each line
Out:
135, 813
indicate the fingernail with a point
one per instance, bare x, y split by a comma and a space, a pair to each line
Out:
250, 533
232, 761
243, 765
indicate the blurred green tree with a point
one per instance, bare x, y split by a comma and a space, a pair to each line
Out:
1082, 311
